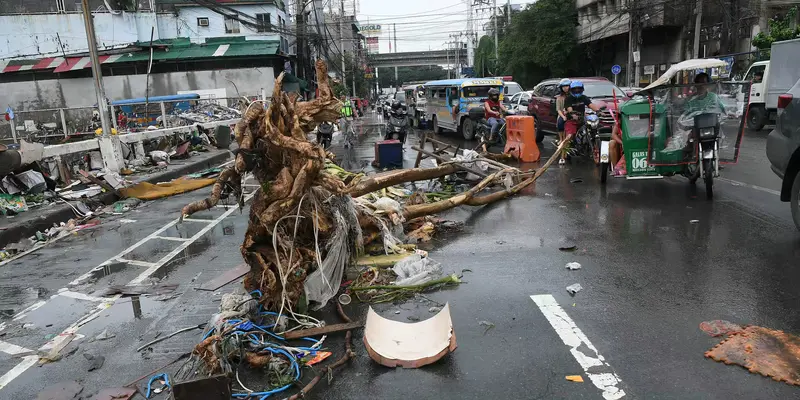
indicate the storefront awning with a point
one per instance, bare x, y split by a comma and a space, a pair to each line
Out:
163, 50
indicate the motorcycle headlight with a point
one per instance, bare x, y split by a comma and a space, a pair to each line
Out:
397, 129
707, 132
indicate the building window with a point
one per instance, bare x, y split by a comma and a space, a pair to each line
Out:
264, 24
231, 25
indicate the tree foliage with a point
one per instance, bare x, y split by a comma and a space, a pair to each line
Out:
484, 58
541, 42
779, 29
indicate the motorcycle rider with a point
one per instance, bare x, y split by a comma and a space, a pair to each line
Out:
346, 118
575, 105
563, 93
493, 111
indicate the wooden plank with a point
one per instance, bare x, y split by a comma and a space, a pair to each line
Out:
226, 278
419, 154
325, 330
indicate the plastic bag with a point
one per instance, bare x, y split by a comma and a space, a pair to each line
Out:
468, 159
388, 205
416, 270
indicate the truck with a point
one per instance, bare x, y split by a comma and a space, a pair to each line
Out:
771, 79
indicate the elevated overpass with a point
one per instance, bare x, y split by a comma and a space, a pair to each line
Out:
414, 58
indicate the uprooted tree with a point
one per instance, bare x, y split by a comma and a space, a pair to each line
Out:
304, 220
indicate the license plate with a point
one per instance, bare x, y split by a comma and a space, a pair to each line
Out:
604, 151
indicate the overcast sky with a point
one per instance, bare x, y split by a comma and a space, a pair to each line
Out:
420, 24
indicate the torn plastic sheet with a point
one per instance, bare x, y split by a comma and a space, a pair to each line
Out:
409, 345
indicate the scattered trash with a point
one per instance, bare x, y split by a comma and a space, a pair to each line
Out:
115, 394
412, 318
57, 344
489, 326
501, 242
226, 278
105, 335
695, 221
127, 221
159, 156
573, 266
397, 312
345, 299
416, 270
576, 180
719, 327
548, 194
61, 391
149, 191
434, 309
197, 276
161, 339
764, 351
392, 343
162, 384
321, 356
572, 289
95, 362
158, 289
567, 245
575, 378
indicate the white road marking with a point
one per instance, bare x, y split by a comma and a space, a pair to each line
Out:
174, 239
759, 188
69, 334
11, 349
26, 363
605, 379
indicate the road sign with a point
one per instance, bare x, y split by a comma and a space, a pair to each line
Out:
616, 69
637, 56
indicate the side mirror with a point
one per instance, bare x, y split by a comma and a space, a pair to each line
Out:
630, 93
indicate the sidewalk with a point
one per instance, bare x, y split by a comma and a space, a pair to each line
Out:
28, 223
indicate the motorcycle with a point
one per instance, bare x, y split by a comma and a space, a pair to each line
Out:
590, 143
483, 131
397, 125
325, 134
704, 147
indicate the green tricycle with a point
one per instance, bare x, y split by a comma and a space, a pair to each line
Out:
673, 127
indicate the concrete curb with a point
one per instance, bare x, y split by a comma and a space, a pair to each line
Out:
23, 228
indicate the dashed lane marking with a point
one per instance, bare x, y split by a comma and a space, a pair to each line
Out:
602, 375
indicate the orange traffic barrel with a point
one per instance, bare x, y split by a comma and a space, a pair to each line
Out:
521, 138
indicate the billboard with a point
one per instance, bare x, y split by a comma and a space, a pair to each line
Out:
370, 30
373, 45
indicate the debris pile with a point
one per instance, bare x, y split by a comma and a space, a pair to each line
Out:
209, 112
309, 222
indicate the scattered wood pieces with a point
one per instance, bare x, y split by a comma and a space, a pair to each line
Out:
225, 278
322, 330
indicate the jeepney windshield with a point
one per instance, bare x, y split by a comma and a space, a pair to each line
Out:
478, 92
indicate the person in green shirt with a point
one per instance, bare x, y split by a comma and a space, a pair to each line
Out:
703, 101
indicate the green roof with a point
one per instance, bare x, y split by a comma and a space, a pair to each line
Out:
183, 49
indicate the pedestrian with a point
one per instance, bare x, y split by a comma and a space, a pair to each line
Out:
563, 93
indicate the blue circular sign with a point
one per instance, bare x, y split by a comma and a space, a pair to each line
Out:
616, 69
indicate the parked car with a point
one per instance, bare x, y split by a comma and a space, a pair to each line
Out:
519, 102
783, 148
511, 88
542, 105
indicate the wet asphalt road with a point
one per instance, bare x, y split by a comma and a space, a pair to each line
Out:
649, 278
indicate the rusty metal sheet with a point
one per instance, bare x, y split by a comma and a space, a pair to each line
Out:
764, 351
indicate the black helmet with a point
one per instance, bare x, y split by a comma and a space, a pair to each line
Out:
494, 92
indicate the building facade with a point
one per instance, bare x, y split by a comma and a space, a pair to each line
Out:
662, 32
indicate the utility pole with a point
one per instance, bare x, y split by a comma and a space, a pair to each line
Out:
697, 26
109, 144
630, 67
508, 14
301, 33
496, 40
394, 26
341, 45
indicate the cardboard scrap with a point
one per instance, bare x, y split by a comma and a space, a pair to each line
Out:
575, 378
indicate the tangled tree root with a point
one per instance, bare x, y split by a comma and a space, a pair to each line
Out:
293, 218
